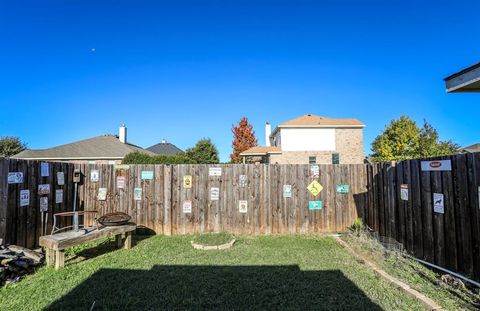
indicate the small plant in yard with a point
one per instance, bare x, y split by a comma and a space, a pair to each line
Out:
213, 239
357, 227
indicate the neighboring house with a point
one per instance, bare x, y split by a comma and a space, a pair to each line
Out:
107, 149
311, 139
471, 149
466, 80
164, 148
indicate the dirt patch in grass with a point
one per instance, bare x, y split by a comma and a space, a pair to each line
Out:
450, 293
213, 239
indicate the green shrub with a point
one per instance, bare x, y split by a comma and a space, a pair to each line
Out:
357, 227
143, 158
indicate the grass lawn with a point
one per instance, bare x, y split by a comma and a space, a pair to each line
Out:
416, 275
266, 272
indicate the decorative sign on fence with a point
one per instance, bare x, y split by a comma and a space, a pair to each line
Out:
187, 181
102, 194
314, 171
137, 194
44, 169
438, 165
215, 171
242, 180
314, 205
58, 196
438, 206
242, 206
147, 175
214, 194
43, 204
404, 192
15, 178
24, 197
94, 176
44, 189
120, 182
342, 188
122, 167
315, 187
60, 178
287, 191
187, 206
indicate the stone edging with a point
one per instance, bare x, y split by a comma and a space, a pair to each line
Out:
213, 247
427, 302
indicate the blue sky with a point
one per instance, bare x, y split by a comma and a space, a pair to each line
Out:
184, 70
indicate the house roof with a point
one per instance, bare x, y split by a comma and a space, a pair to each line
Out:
472, 148
100, 147
165, 148
313, 120
466, 80
260, 150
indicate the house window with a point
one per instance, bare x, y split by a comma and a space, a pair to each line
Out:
335, 158
312, 160
91, 162
111, 162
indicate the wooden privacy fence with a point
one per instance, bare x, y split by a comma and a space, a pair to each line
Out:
450, 239
157, 197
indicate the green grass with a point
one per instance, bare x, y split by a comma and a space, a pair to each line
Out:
160, 272
415, 274
212, 239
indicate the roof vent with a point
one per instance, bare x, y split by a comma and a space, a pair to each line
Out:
164, 141
309, 115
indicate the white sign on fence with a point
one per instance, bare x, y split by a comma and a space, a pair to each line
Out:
187, 206
404, 192
24, 197
287, 191
214, 194
15, 178
43, 204
58, 196
242, 206
438, 206
215, 171
60, 178
438, 165
242, 180
94, 176
102, 194
44, 189
137, 194
44, 169
314, 171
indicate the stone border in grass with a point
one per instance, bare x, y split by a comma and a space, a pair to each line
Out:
213, 247
427, 302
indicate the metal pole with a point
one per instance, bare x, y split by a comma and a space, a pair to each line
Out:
75, 198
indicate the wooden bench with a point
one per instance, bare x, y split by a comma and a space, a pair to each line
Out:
56, 244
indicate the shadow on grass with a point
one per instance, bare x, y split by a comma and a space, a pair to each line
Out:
216, 287
102, 248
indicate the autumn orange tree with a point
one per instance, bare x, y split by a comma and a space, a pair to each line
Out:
243, 139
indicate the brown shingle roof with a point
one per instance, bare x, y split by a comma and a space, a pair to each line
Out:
100, 147
313, 120
260, 150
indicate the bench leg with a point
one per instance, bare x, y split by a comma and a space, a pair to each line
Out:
128, 240
59, 259
49, 256
118, 241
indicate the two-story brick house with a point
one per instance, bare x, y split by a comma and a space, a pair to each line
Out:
311, 139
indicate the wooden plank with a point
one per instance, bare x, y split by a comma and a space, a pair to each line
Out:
449, 222
462, 215
438, 222
3, 197
409, 235
427, 217
401, 205
473, 170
